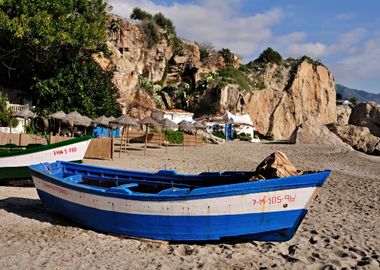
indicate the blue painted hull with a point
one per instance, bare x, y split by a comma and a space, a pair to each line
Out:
278, 226
169, 206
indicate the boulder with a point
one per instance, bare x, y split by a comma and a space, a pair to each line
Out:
366, 115
343, 115
167, 100
210, 138
360, 138
275, 166
314, 132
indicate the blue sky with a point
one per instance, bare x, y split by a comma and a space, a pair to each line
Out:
343, 34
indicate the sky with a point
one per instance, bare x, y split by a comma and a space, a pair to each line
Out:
343, 34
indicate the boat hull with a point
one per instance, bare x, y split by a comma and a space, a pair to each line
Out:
266, 213
14, 165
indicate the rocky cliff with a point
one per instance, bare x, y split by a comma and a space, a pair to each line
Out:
307, 91
155, 73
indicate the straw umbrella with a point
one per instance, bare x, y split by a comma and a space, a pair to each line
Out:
126, 121
76, 119
168, 124
148, 122
185, 126
198, 125
59, 117
25, 114
111, 126
101, 121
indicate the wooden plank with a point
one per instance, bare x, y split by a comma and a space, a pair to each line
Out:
101, 148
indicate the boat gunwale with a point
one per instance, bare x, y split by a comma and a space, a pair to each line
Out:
7, 153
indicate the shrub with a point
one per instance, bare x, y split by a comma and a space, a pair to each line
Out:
227, 55
219, 133
244, 136
354, 101
269, 56
174, 137
139, 14
235, 76
6, 119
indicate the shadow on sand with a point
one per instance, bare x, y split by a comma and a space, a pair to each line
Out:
34, 209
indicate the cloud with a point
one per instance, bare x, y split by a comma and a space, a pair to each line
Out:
212, 21
344, 44
311, 49
344, 16
363, 62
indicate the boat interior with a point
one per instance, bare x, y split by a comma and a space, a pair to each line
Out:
162, 182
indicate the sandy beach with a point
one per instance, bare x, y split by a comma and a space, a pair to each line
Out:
341, 230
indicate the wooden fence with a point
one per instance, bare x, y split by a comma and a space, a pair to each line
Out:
159, 138
100, 148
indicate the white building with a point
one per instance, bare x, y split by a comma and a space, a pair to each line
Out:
241, 124
178, 115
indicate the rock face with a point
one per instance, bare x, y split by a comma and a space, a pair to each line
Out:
289, 93
308, 91
314, 132
134, 54
343, 115
360, 138
367, 115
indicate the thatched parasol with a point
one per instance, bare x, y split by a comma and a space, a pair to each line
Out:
76, 119
111, 118
26, 113
111, 126
60, 115
125, 121
148, 122
101, 121
168, 124
198, 125
158, 116
185, 126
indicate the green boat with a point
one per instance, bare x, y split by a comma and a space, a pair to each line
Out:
14, 160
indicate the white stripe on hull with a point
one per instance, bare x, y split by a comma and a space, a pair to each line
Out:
71, 152
264, 202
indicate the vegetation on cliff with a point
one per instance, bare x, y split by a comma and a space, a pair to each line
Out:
47, 49
158, 26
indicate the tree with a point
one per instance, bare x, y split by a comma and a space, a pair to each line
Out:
40, 39
354, 101
6, 119
269, 56
205, 48
339, 96
81, 86
227, 55
139, 14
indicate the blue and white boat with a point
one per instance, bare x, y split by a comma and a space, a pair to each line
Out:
170, 206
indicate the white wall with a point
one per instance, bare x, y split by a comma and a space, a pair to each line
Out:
178, 117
